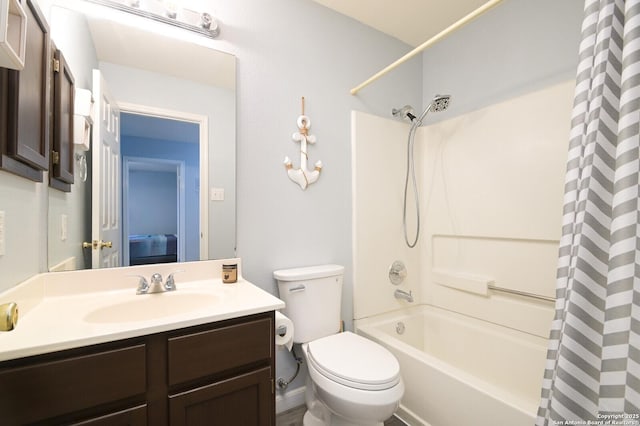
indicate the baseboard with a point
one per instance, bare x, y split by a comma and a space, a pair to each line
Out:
409, 417
288, 400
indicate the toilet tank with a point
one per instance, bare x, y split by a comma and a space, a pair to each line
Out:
312, 296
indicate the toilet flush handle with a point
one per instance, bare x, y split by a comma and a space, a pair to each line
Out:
301, 287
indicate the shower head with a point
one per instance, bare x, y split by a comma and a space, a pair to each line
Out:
439, 103
405, 113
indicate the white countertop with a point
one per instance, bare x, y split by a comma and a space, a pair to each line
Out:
80, 314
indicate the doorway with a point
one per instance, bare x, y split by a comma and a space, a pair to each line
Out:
154, 211
162, 164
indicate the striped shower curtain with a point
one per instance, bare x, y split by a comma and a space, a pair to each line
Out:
593, 362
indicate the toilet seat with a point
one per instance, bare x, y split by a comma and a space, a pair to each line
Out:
354, 361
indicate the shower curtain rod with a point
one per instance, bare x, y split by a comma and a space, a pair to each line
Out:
451, 28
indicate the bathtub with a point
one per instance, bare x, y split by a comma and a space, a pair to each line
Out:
459, 370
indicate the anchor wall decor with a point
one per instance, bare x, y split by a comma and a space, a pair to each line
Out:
302, 176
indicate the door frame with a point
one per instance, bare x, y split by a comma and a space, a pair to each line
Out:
202, 121
155, 165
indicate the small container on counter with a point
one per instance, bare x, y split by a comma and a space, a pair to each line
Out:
229, 273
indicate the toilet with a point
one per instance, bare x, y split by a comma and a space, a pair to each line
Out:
352, 380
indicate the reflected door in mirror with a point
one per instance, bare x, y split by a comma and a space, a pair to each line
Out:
106, 228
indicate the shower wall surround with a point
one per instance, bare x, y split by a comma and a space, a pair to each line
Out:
495, 181
491, 185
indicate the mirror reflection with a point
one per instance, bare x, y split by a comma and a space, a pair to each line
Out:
160, 171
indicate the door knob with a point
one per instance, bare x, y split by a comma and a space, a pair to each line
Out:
97, 244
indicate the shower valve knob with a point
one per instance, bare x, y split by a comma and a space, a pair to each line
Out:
397, 272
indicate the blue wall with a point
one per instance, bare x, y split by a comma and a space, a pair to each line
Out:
517, 47
153, 202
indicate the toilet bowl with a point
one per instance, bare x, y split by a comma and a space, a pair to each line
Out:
352, 381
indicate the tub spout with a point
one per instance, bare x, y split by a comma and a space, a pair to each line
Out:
401, 294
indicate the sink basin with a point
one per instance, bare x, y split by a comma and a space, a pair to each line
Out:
152, 306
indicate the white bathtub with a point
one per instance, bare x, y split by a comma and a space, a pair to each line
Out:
459, 370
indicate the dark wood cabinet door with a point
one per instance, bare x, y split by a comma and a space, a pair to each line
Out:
61, 176
26, 140
244, 400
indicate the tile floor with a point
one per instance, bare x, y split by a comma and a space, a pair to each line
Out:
294, 416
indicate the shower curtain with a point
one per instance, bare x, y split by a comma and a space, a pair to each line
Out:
593, 361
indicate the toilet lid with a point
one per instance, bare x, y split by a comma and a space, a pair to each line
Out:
354, 361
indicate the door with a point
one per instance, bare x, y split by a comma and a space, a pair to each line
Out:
106, 176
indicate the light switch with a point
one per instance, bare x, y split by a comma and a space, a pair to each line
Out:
217, 194
64, 225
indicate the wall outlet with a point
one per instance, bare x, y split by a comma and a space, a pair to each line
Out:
2, 234
217, 194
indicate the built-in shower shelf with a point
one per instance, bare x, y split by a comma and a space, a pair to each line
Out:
482, 265
463, 281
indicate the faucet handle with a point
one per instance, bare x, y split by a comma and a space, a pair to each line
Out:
143, 284
170, 284
397, 272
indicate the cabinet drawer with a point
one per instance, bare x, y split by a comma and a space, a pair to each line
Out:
49, 389
213, 351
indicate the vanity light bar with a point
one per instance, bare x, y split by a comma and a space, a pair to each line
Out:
201, 23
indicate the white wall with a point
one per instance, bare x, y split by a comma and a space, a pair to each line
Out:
379, 159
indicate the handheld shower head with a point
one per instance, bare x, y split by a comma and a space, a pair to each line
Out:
439, 103
405, 113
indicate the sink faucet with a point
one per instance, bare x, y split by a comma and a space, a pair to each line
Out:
156, 285
401, 294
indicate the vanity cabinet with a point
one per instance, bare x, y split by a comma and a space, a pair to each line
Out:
215, 374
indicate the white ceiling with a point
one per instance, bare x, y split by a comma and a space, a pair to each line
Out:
411, 21
141, 48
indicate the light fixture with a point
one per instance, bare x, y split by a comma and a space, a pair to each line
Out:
167, 11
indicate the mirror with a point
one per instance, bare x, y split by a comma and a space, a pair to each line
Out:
176, 94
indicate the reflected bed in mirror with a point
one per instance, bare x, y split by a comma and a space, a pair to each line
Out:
171, 112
